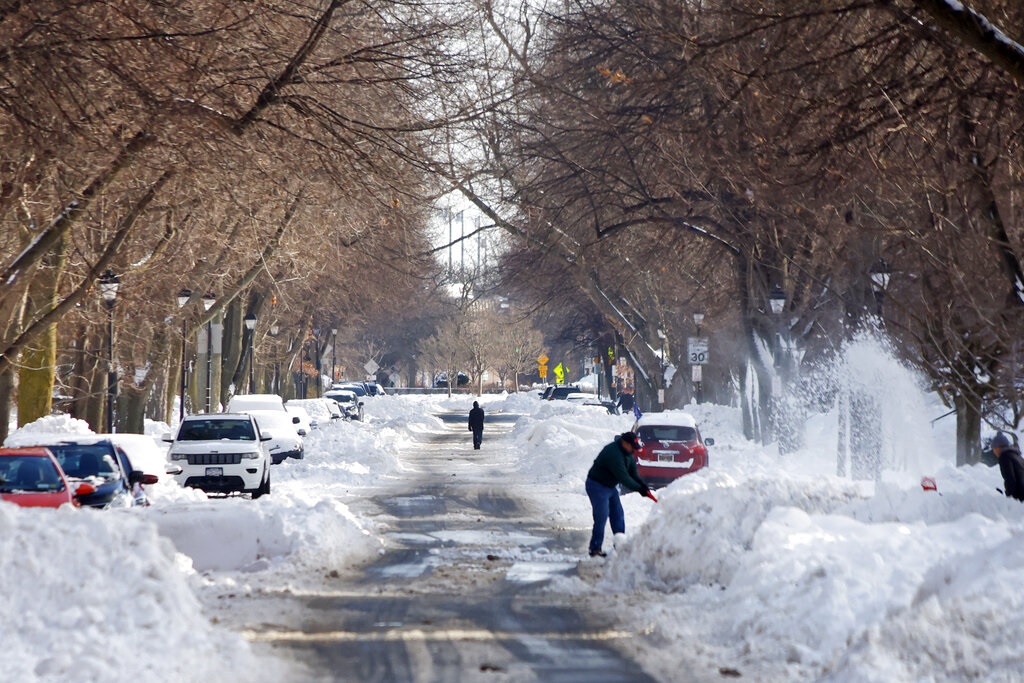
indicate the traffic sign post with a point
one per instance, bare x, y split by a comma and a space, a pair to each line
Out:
697, 350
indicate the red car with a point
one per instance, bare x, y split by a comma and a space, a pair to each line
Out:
31, 477
672, 446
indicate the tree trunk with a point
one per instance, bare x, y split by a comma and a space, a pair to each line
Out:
968, 431
6, 391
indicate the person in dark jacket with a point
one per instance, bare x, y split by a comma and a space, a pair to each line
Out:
625, 402
1011, 465
614, 465
476, 424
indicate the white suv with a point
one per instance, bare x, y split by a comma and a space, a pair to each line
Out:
221, 453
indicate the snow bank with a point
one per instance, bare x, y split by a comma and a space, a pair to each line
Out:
93, 596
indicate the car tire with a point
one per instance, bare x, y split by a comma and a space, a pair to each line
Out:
263, 489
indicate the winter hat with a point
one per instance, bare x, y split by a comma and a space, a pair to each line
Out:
476, 404
1000, 440
631, 438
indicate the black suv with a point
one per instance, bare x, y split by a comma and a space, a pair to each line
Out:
559, 393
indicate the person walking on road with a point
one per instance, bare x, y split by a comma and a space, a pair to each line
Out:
476, 424
625, 402
1011, 465
614, 465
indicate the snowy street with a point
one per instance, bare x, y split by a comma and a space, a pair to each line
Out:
457, 596
395, 552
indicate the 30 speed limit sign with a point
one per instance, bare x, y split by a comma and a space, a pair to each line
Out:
697, 350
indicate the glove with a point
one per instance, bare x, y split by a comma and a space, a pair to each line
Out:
646, 491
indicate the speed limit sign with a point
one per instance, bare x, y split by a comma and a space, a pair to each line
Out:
697, 350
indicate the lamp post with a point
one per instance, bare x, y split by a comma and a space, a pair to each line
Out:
880, 274
777, 301
183, 298
209, 299
275, 329
698, 371
250, 324
334, 354
109, 284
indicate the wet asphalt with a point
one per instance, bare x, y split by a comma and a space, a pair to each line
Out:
459, 595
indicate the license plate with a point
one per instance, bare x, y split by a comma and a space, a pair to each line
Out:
666, 457
215, 471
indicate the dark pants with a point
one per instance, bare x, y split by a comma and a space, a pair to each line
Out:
478, 437
607, 506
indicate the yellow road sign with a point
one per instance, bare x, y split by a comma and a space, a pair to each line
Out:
542, 359
542, 370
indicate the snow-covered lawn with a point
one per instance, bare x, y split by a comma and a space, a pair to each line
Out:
769, 565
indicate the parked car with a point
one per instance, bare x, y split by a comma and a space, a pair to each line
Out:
321, 411
221, 453
376, 389
559, 393
285, 441
243, 403
357, 388
671, 447
306, 422
32, 477
348, 401
96, 460
461, 379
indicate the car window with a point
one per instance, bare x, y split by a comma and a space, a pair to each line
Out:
29, 473
667, 433
84, 461
214, 430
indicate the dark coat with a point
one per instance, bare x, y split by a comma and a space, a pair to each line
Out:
1011, 466
476, 418
614, 465
626, 402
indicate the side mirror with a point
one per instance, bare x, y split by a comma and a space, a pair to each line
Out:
84, 489
302, 432
140, 477
168, 437
296, 420
264, 436
361, 403
709, 442
173, 469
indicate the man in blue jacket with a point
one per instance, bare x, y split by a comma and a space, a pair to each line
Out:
614, 465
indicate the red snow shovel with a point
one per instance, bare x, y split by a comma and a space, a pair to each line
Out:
650, 494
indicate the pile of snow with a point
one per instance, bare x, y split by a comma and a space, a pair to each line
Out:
93, 596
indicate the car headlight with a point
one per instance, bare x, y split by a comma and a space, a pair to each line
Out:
179, 456
252, 455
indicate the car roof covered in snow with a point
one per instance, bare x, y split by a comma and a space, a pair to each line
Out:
676, 418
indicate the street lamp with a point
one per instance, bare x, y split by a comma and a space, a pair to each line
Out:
275, 329
250, 324
334, 354
209, 299
109, 284
183, 298
698, 370
880, 274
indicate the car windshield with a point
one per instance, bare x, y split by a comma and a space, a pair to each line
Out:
214, 430
667, 433
346, 397
87, 461
29, 473
356, 389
